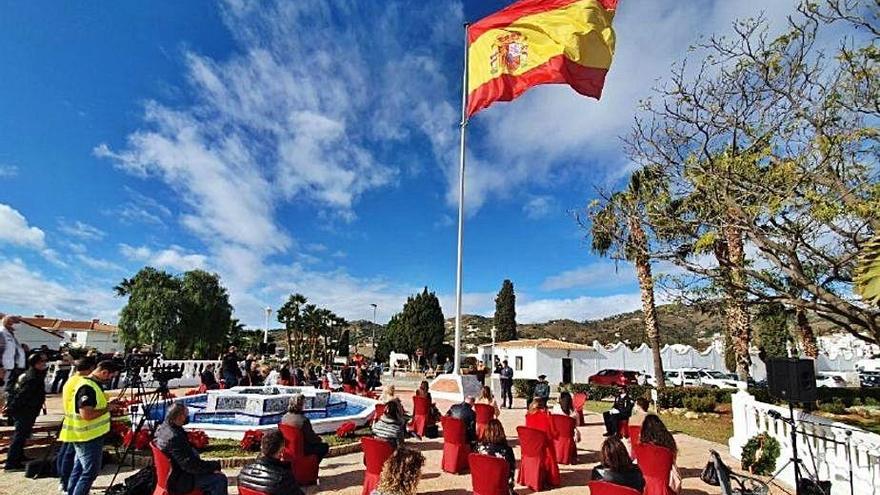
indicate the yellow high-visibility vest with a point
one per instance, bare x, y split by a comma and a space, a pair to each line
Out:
67, 390
83, 430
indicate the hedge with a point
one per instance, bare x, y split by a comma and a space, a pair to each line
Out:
524, 388
599, 392
846, 396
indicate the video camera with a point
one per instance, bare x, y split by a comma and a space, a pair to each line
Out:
168, 372
137, 362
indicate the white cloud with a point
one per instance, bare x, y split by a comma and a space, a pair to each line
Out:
539, 207
14, 229
8, 171
26, 291
316, 247
174, 257
142, 209
599, 275
98, 264
81, 230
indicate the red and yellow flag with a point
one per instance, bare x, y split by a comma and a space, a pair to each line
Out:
534, 42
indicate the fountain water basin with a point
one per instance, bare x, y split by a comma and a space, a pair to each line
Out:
229, 413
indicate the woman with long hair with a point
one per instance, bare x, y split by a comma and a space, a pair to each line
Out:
391, 427
654, 432
401, 473
423, 390
487, 398
285, 379
617, 467
565, 406
493, 442
388, 394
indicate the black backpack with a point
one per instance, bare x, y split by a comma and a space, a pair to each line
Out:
142, 482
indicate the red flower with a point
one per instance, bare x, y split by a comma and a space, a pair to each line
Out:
251, 440
346, 429
197, 438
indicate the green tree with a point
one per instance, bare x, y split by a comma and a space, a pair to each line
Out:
505, 313
344, 343
617, 230
177, 315
290, 315
152, 313
771, 325
419, 325
205, 313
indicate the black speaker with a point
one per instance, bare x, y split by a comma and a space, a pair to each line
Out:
792, 379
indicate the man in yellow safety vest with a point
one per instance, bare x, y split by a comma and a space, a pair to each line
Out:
88, 424
64, 462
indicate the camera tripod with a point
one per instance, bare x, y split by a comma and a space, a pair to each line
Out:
803, 485
149, 401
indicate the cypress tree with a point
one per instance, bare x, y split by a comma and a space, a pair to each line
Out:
505, 313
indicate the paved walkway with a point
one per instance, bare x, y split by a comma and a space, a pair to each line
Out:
343, 475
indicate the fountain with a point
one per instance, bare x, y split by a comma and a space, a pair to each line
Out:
228, 413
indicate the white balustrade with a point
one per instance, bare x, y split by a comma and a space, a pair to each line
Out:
828, 448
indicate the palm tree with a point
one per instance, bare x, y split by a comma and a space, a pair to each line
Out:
290, 315
617, 230
867, 277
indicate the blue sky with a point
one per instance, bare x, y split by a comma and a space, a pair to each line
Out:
306, 147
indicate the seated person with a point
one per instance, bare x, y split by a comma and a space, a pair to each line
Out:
622, 409
465, 412
542, 390
391, 427
487, 398
188, 470
617, 467
639, 412
269, 474
209, 380
312, 443
493, 442
654, 432
565, 406
388, 394
423, 391
538, 417
401, 473
285, 379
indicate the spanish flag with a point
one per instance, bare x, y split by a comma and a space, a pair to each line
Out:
534, 42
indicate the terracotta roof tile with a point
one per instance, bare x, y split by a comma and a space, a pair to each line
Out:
542, 344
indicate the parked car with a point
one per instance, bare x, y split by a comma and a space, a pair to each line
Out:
869, 379
683, 377
716, 379
830, 381
615, 377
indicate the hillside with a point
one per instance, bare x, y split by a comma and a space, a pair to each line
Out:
679, 325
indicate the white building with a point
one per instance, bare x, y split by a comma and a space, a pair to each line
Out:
562, 362
35, 337
91, 334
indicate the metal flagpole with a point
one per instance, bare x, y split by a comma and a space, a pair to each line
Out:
463, 126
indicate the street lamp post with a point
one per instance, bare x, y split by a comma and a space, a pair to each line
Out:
266, 327
375, 306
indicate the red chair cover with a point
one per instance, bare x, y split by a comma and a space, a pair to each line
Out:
540, 420
578, 402
656, 465
163, 470
422, 417
538, 469
623, 428
305, 467
494, 473
349, 389
484, 413
455, 445
376, 452
564, 444
243, 490
378, 412
607, 488
635, 432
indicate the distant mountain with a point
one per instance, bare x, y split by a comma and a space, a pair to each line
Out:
678, 325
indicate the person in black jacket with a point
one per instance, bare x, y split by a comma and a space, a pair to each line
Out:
229, 369
188, 470
465, 412
617, 467
24, 407
622, 409
269, 474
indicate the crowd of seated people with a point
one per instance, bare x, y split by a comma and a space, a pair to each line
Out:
400, 474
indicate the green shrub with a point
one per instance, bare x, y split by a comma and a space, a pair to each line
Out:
836, 406
765, 463
871, 402
599, 392
670, 397
700, 404
523, 388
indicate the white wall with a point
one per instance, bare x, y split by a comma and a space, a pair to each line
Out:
35, 337
104, 342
